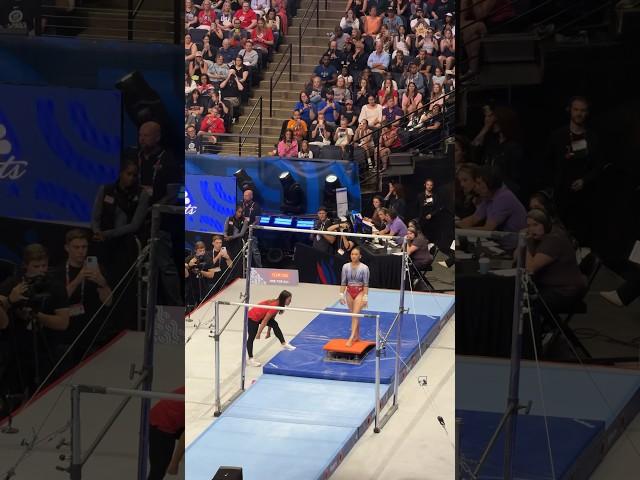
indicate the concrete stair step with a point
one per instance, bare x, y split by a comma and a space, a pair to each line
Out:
292, 95
296, 68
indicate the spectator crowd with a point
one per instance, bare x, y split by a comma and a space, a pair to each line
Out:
383, 85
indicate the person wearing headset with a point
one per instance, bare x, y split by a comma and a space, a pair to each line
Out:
551, 261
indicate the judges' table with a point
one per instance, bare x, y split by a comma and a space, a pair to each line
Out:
484, 311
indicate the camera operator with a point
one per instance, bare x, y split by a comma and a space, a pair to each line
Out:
198, 266
37, 308
344, 244
87, 290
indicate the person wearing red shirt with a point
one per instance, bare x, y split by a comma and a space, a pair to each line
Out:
261, 317
212, 123
206, 16
166, 420
262, 36
248, 18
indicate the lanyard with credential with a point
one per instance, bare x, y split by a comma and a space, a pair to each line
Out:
81, 285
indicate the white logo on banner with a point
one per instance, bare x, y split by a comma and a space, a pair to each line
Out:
188, 208
10, 168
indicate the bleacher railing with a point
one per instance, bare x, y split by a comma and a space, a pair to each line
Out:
241, 138
448, 116
277, 71
131, 23
306, 20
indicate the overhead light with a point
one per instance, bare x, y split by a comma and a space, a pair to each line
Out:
293, 200
245, 182
331, 183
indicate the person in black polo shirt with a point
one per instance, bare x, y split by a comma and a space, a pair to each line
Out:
156, 165
235, 232
251, 211
323, 243
192, 142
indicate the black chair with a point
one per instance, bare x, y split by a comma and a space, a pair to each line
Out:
331, 152
316, 150
197, 34
589, 266
421, 273
7, 269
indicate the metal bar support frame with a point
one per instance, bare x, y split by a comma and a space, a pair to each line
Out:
77, 459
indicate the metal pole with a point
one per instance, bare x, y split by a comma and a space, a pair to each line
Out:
112, 419
271, 97
396, 381
216, 320
260, 131
247, 292
300, 43
177, 21
130, 20
516, 353
317, 13
147, 367
457, 459
290, 63
76, 447
376, 424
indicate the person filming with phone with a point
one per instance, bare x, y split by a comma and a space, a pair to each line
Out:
87, 290
221, 262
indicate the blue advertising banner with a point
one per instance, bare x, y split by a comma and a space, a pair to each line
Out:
57, 145
265, 173
209, 201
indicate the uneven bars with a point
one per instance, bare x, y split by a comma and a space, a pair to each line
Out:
325, 232
469, 232
127, 392
296, 309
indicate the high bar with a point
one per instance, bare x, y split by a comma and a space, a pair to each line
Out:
126, 392
323, 232
296, 309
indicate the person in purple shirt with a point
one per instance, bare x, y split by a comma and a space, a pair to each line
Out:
392, 111
395, 225
499, 209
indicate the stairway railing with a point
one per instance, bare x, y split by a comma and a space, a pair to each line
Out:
242, 138
288, 53
306, 20
165, 26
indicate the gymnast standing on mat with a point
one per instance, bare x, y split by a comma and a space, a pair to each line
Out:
355, 281
261, 317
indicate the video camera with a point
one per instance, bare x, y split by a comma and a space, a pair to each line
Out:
38, 292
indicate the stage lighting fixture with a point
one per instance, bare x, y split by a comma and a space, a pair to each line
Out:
293, 200
245, 182
331, 183
142, 103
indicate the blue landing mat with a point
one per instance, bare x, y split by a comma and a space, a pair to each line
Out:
435, 304
308, 358
285, 428
569, 440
